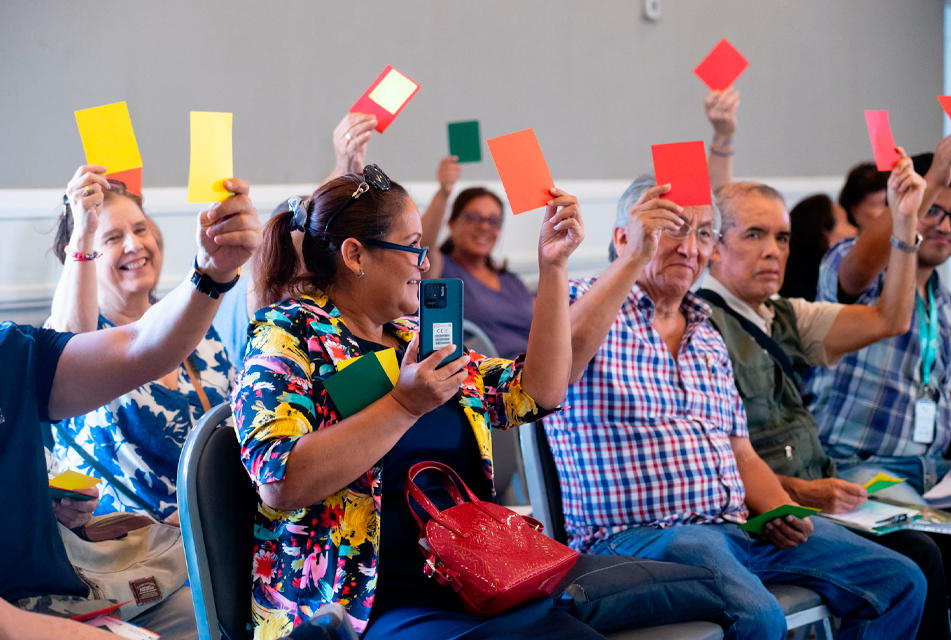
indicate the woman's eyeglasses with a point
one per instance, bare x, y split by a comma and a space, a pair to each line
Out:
476, 219
373, 176
421, 252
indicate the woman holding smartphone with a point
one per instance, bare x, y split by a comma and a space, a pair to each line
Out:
324, 482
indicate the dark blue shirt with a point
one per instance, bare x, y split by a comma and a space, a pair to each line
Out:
34, 560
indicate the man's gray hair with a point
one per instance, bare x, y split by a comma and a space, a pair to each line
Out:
632, 194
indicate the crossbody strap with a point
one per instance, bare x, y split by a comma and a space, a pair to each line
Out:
108, 477
193, 374
763, 340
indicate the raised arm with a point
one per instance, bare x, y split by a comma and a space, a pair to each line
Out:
720, 107
448, 174
98, 367
593, 313
858, 326
548, 358
350, 140
75, 301
938, 176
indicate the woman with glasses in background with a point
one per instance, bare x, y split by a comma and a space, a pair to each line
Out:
495, 298
332, 522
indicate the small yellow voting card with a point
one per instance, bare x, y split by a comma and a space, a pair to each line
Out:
73, 481
211, 156
393, 91
108, 137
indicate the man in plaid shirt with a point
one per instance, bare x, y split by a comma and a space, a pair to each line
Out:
653, 454
886, 407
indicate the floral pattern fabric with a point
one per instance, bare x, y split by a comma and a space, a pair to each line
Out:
139, 436
328, 552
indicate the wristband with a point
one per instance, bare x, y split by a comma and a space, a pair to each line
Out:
204, 284
904, 246
721, 154
81, 257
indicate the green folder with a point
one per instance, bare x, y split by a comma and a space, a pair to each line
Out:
358, 386
755, 525
464, 141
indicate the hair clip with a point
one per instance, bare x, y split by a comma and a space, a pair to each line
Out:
301, 218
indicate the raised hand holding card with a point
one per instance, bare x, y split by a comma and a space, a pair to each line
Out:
386, 97
108, 138
722, 66
523, 170
883, 144
684, 166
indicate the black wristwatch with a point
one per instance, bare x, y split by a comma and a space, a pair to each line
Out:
209, 287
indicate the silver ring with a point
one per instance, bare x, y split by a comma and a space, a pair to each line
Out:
347, 136
88, 190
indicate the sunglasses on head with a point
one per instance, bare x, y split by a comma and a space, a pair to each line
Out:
373, 176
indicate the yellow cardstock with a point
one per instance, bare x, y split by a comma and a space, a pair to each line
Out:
108, 137
211, 156
393, 91
74, 481
387, 360
883, 477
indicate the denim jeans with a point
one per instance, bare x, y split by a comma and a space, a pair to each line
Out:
876, 592
922, 472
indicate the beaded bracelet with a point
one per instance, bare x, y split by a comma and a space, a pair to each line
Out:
82, 257
721, 154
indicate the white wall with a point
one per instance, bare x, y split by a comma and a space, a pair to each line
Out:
597, 82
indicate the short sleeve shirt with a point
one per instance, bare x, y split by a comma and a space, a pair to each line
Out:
34, 560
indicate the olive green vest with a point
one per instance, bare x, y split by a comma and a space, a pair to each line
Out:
782, 431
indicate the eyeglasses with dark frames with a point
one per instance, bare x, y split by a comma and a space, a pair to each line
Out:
936, 215
373, 176
421, 252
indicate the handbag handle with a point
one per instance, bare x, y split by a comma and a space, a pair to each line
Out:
450, 479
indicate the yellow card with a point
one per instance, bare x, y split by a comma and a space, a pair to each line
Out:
387, 360
211, 158
73, 481
393, 91
108, 137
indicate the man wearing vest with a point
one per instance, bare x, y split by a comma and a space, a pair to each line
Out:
770, 340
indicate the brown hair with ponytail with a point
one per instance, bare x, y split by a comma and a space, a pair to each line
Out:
370, 217
465, 197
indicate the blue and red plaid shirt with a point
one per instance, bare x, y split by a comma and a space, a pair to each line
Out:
645, 440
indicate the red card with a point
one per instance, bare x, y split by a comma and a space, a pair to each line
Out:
132, 179
945, 103
722, 66
386, 97
684, 166
883, 144
522, 167
83, 617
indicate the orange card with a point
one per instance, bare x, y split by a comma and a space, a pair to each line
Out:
883, 144
386, 97
722, 66
684, 166
522, 168
945, 104
132, 179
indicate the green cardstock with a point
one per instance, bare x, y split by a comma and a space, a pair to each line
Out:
465, 141
358, 386
882, 484
58, 494
756, 525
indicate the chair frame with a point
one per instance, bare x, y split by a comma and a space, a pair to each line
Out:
196, 555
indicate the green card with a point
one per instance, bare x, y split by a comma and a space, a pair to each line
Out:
57, 494
755, 525
465, 142
358, 386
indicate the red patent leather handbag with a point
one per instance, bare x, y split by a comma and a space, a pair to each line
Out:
491, 556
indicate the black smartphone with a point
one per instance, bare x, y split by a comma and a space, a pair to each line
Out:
440, 317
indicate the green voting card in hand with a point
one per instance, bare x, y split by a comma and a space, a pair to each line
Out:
756, 525
465, 142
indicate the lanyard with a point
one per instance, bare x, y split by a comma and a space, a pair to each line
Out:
927, 335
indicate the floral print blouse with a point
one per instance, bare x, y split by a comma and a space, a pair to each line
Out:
328, 552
